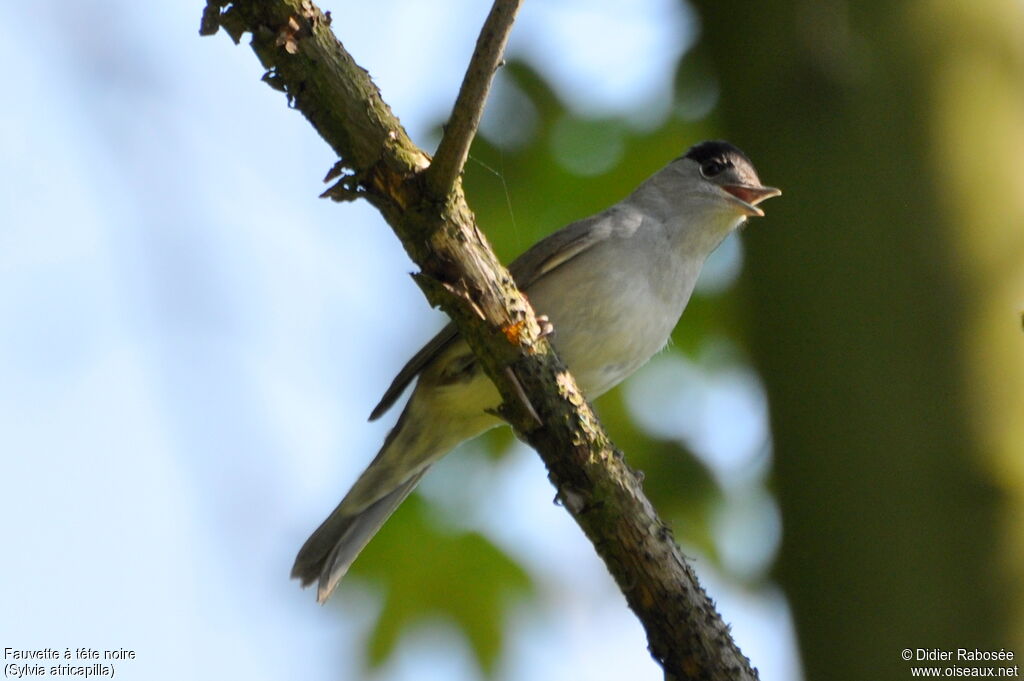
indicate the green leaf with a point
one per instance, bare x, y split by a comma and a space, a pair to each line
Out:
428, 571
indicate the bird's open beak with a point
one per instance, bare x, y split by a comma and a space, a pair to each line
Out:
748, 197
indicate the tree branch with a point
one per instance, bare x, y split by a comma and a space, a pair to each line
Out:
469, 106
460, 273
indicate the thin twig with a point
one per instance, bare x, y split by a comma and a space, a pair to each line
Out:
469, 106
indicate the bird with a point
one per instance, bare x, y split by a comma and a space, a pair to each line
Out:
613, 286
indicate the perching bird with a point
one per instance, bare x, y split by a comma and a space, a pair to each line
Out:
613, 285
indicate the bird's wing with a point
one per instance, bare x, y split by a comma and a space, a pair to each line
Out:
556, 249
543, 257
413, 367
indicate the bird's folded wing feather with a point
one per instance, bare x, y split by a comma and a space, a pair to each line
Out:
546, 255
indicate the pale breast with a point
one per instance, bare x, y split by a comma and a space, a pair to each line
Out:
606, 327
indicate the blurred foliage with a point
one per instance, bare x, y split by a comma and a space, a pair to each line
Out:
430, 571
527, 191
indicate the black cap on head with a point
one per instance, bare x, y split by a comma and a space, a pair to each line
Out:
715, 157
715, 150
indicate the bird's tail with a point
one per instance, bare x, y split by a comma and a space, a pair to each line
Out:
431, 424
405, 456
387, 481
328, 553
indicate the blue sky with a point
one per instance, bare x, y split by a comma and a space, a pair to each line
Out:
178, 314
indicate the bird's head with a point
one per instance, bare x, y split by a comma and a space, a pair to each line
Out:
719, 174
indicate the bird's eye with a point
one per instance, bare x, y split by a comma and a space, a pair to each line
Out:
712, 168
